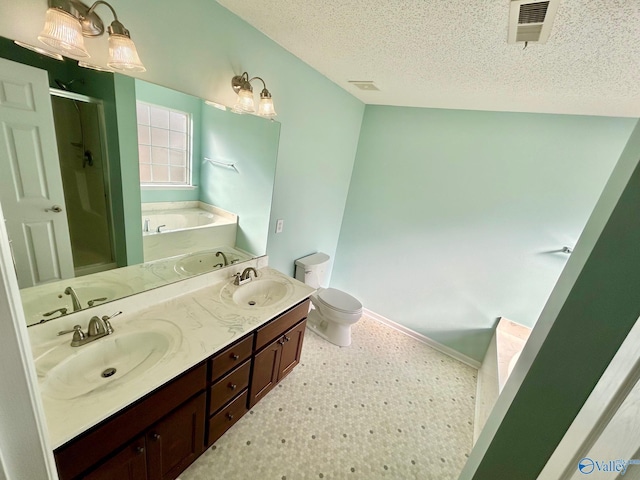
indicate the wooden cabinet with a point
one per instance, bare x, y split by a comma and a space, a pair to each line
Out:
275, 361
160, 435
176, 441
163, 452
129, 464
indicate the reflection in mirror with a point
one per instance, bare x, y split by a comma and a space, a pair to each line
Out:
83, 231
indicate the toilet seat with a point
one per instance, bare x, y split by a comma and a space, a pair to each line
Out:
339, 301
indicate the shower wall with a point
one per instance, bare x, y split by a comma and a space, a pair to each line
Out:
83, 177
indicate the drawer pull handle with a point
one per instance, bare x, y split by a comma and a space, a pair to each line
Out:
155, 436
233, 386
235, 356
140, 450
229, 416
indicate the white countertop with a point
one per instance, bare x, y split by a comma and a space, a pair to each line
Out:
196, 313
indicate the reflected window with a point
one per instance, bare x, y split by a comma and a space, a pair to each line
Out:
164, 145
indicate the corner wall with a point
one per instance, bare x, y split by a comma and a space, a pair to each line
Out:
455, 218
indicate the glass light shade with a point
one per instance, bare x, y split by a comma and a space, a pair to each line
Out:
123, 54
266, 108
94, 67
244, 103
39, 50
64, 32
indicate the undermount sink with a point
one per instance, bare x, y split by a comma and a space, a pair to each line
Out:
69, 372
257, 293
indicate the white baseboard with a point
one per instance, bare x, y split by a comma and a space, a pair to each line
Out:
424, 339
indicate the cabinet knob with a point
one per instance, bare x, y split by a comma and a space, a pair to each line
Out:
140, 450
286, 339
233, 386
155, 436
235, 356
230, 416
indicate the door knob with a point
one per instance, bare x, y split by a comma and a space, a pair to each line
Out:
54, 209
140, 450
233, 386
235, 356
229, 416
155, 436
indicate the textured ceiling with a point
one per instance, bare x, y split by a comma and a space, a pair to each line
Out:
454, 53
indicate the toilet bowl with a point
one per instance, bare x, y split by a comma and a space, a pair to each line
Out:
333, 311
332, 315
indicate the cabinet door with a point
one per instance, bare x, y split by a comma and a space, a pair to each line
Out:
266, 367
129, 464
177, 440
291, 349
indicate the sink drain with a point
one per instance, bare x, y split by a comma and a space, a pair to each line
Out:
251, 302
108, 372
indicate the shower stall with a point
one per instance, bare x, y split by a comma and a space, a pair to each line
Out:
84, 165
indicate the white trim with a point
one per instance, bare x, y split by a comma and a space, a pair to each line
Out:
168, 186
23, 423
423, 339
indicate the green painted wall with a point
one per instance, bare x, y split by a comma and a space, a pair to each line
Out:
130, 171
587, 317
251, 144
455, 218
166, 97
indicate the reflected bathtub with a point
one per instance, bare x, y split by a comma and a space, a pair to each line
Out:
178, 228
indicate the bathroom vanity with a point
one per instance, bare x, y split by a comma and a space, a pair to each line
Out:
242, 353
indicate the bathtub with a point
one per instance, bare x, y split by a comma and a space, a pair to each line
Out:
164, 221
178, 228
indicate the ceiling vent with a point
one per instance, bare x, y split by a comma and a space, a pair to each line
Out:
531, 21
364, 84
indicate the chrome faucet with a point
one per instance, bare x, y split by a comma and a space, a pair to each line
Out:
224, 257
146, 225
159, 227
98, 328
74, 298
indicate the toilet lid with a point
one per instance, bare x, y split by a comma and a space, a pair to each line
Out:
339, 300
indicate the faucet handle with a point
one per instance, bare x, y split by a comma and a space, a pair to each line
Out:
78, 336
74, 329
92, 302
237, 277
63, 312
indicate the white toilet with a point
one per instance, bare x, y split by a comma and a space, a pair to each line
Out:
335, 311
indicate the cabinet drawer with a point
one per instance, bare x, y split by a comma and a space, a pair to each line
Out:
224, 420
284, 322
230, 357
229, 386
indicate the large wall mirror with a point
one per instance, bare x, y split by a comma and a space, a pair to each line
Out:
112, 185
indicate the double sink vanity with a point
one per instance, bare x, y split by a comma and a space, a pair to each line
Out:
183, 363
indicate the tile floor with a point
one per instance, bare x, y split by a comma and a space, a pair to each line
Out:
386, 407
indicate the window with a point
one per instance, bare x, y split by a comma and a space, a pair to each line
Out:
164, 145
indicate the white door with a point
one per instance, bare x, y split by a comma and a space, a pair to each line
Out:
30, 183
603, 442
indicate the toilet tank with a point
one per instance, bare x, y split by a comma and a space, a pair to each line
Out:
312, 269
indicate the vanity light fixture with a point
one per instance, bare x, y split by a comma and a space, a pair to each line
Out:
67, 22
241, 84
